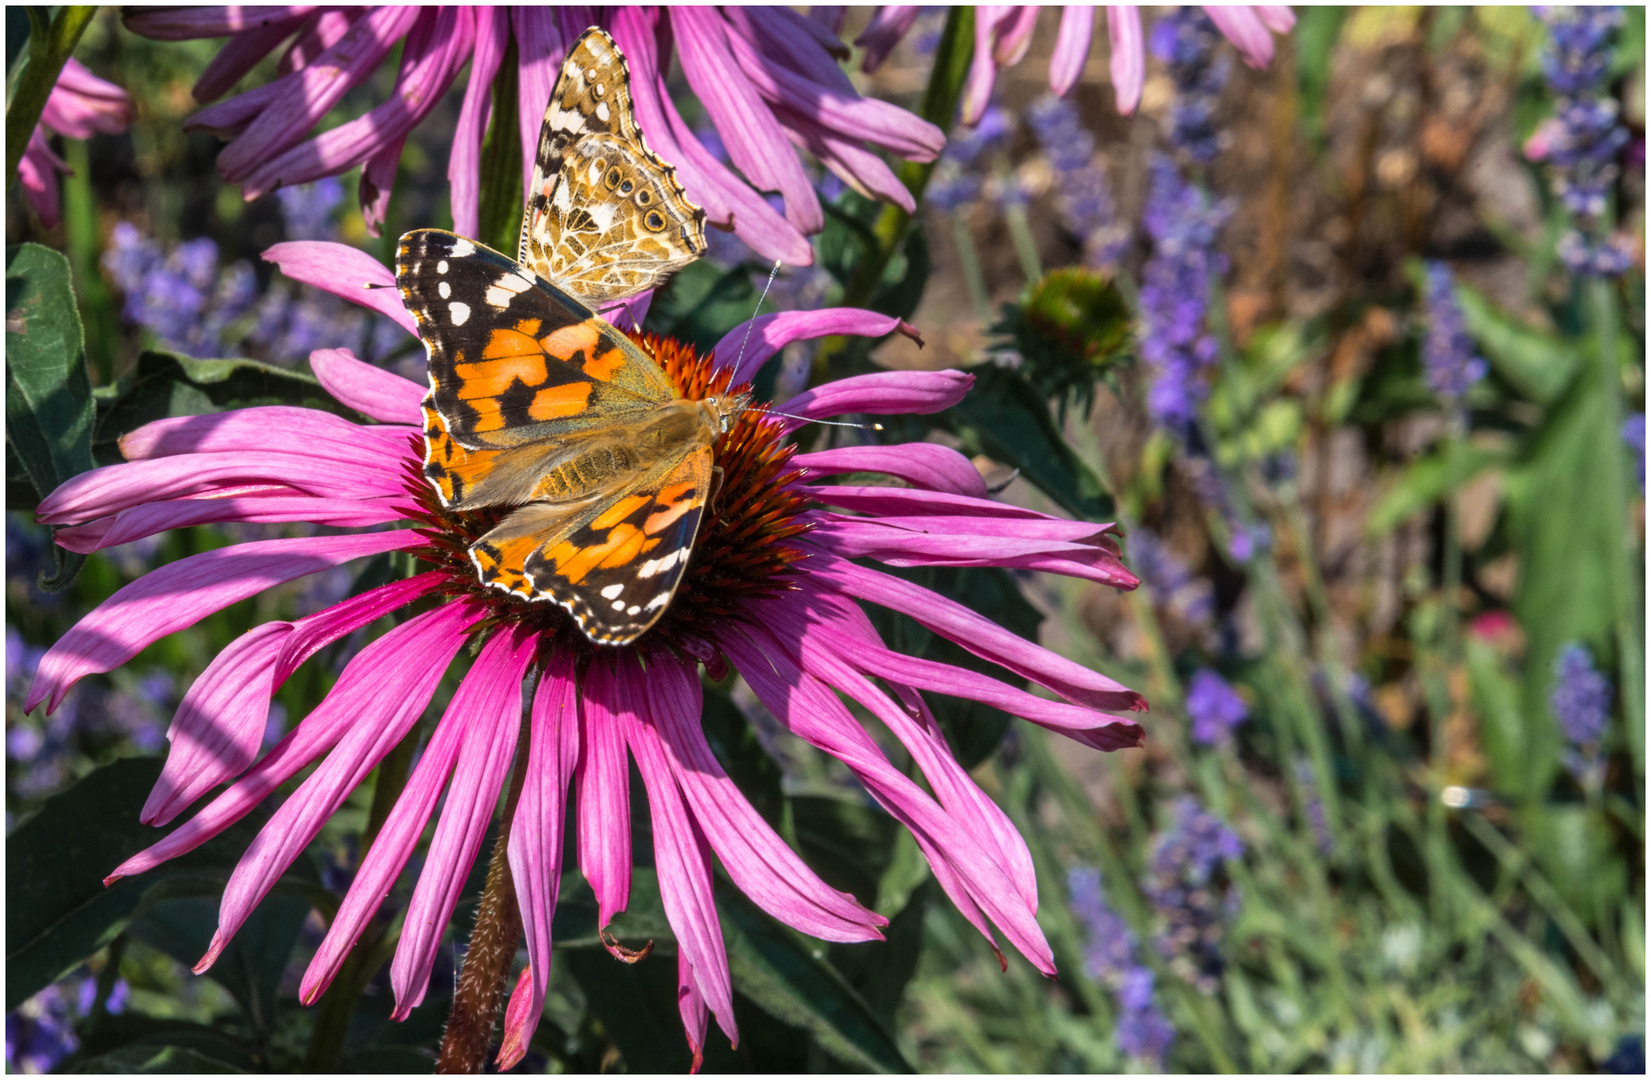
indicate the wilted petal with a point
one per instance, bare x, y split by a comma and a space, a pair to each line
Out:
882, 393
343, 271
924, 465
1071, 47
604, 793
464, 163
884, 32
749, 345
408, 652
536, 843
180, 594
489, 701
1240, 26
370, 391
1129, 58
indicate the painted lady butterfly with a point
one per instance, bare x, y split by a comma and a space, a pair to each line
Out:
537, 403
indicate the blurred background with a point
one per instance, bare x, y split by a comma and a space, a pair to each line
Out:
1349, 347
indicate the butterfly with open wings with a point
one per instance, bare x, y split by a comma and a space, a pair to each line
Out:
538, 404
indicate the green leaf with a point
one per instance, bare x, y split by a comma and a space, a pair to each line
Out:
142, 1036
143, 1058
1536, 364
637, 1005
1425, 481
1316, 33
879, 970
50, 46
390, 1059
792, 982
1502, 727
163, 384
1005, 419
48, 394
58, 911
1574, 847
846, 843
735, 744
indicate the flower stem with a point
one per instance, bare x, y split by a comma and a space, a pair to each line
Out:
968, 261
492, 948
501, 166
49, 47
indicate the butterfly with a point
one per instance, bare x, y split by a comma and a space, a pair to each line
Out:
537, 404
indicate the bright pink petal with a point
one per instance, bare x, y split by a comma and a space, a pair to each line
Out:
1240, 26
924, 465
408, 652
749, 345
1129, 56
240, 54
343, 271
977, 91
795, 42
882, 393
904, 502
180, 594
604, 793
690, 1005
464, 163
490, 702
1015, 37
37, 173
859, 168
756, 858
151, 518
1276, 17
884, 32
315, 632
536, 842
1071, 48
981, 636
388, 698
540, 49
82, 105
188, 23
681, 858
279, 428
370, 391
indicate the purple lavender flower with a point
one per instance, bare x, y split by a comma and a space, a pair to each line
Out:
1316, 819
307, 209
1109, 958
1083, 195
1185, 41
1450, 359
1174, 298
959, 177
1168, 579
182, 296
40, 1032
1183, 890
1581, 696
1215, 708
1633, 434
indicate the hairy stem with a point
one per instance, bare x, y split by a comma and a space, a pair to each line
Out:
49, 49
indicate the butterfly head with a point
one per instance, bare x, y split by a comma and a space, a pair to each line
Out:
721, 410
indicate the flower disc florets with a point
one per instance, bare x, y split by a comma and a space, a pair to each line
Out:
741, 552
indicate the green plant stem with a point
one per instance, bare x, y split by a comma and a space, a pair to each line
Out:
1026, 247
968, 261
50, 45
81, 225
951, 68
332, 1020
500, 187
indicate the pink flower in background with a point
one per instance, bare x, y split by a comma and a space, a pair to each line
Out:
766, 76
774, 592
80, 105
1003, 34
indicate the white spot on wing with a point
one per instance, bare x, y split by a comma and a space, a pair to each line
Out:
460, 312
632, 610
441, 267
619, 605
444, 290
659, 565
612, 591
602, 111
499, 294
659, 601
463, 248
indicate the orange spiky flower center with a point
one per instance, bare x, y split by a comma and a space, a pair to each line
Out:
742, 551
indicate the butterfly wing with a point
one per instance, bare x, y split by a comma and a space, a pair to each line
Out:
514, 361
612, 561
605, 217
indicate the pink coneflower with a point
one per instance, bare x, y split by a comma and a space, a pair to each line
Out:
766, 76
80, 106
1003, 34
773, 592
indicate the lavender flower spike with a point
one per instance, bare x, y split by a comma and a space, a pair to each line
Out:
1449, 357
1215, 708
1581, 701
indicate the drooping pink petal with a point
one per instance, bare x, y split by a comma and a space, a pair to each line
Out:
848, 160
188, 23
315, 632
604, 793
82, 105
881, 393
974, 881
540, 49
760, 863
408, 652
180, 594
343, 271
271, 119
795, 42
1071, 48
1129, 56
151, 518
939, 541
903, 502
884, 32
681, 857
464, 163
370, 391
690, 1004
1276, 17
241, 53
280, 428
979, 635
378, 177
977, 90
382, 865
536, 843
749, 345
492, 710
320, 33
436, 46
109, 489
925, 465
37, 174
1240, 26
753, 137
389, 701
1015, 37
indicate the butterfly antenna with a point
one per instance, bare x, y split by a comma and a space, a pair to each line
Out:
752, 323
811, 420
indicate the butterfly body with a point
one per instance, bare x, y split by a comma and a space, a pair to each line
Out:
539, 407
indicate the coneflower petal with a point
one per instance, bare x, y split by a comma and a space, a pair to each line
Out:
748, 346
925, 465
370, 391
343, 271
1072, 42
604, 792
464, 163
882, 393
272, 428
151, 518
